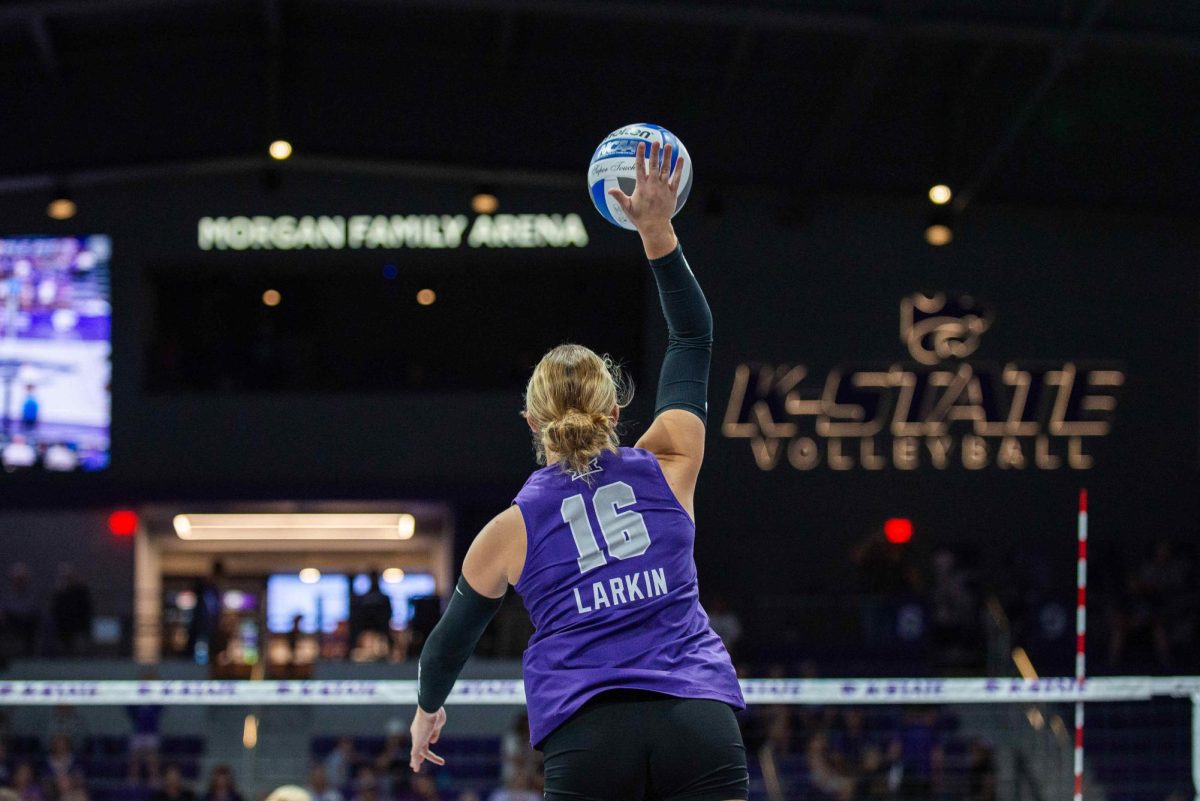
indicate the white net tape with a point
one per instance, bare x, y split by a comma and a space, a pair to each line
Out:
757, 691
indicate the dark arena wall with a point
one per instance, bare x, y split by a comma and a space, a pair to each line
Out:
858, 373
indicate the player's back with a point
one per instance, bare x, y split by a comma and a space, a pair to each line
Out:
610, 584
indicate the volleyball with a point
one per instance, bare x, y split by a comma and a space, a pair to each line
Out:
613, 167
290, 792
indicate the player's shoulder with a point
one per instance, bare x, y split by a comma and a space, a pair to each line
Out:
508, 523
503, 532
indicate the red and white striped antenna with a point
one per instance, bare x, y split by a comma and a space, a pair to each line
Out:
1080, 636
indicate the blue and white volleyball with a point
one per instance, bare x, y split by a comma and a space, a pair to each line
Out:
614, 166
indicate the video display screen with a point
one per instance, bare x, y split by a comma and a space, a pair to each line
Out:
321, 605
55, 353
412, 585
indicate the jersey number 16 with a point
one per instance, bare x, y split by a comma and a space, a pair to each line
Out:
624, 531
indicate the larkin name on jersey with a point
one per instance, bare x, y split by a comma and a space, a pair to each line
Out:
621, 590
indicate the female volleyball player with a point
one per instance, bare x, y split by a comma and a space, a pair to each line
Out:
630, 692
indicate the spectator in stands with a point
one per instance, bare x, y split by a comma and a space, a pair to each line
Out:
71, 612
981, 772
19, 611
372, 613
144, 741
920, 752
366, 785
725, 622
340, 764
319, 787
857, 752
60, 759
25, 783
520, 787
826, 774
7, 794
774, 724
66, 720
5, 769
518, 757
221, 786
173, 788
887, 578
202, 628
424, 787
1153, 594
29, 410
392, 762
955, 610
295, 633
71, 787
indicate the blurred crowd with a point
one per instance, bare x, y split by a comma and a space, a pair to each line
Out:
845, 753
69, 765
40, 616
910, 610
1153, 612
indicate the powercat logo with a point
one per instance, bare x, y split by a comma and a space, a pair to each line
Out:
945, 410
935, 329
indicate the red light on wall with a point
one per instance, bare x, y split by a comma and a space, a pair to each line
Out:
898, 530
123, 523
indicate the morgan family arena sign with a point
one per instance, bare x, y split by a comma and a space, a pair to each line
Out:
371, 231
945, 410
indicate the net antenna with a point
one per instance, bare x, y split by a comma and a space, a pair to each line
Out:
1080, 635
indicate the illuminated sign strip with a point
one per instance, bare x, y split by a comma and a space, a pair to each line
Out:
394, 231
506, 691
943, 410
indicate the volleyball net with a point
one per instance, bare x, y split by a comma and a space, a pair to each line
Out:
981, 739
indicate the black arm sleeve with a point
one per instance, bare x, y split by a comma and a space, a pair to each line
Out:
451, 642
683, 381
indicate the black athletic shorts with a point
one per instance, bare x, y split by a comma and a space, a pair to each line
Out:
629, 745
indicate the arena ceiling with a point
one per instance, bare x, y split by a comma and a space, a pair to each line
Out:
1077, 103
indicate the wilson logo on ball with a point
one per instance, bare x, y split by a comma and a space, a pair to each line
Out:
614, 166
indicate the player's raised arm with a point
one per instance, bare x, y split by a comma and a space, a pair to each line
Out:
676, 436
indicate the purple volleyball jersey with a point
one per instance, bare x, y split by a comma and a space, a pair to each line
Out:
610, 584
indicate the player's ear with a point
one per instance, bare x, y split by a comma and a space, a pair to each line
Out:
615, 413
533, 426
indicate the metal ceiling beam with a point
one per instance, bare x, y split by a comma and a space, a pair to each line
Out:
415, 170
785, 20
1066, 52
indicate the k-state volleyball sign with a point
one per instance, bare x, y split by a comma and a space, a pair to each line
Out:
940, 410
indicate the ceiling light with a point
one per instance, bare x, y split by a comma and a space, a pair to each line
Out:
61, 208
272, 297
940, 194
938, 234
280, 149
303, 526
310, 575
426, 297
484, 203
393, 575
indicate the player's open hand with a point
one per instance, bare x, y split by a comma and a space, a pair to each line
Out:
425, 730
652, 203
